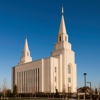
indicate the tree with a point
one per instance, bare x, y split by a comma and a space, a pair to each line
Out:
57, 93
4, 90
96, 91
15, 90
8, 92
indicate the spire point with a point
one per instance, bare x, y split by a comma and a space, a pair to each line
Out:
62, 29
26, 37
62, 10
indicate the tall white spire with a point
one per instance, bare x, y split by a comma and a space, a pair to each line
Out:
62, 29
26, 54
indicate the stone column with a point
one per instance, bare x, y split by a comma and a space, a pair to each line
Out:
37, 80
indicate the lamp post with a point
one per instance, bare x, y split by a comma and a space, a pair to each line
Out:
85, 83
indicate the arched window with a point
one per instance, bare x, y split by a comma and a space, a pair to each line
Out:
69, 69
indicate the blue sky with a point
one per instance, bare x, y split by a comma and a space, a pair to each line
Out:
39, 20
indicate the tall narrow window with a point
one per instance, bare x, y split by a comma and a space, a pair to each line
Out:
17, 78
55, 79
69, 69
59, 38
55, 69
69, 79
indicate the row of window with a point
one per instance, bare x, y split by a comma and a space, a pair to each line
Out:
69, 69
60, 38
69, 79
69, 72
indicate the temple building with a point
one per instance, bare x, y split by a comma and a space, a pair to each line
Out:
48, 74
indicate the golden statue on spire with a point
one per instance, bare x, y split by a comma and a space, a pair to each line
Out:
62, 10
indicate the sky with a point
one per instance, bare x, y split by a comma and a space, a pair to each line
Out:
39, 21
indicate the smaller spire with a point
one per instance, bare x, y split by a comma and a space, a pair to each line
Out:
62, 10
26, 54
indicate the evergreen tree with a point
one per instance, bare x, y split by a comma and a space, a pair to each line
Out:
8, 93
57, 93
15, 90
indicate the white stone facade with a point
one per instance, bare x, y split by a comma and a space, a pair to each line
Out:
45, 75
